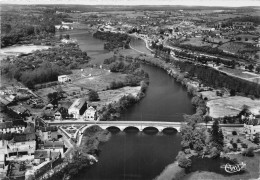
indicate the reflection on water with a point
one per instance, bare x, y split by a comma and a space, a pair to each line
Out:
133, 156
165, 99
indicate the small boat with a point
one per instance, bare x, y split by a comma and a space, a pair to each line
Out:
234, 168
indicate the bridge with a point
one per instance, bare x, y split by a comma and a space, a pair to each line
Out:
140, 125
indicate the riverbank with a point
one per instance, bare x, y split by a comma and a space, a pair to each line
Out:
172, 172
251, 172
81, 157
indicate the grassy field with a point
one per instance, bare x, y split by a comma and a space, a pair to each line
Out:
230, 106
252, 170
99, 58
240, 73
99, 80
232, 47
196, 42
82, 81
110, 96
210, 95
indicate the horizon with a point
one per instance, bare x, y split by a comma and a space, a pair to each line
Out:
206, 3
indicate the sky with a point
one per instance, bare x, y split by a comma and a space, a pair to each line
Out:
229, 3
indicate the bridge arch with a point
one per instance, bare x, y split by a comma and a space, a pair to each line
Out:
114, 129
170, 130
150, 130
132, 128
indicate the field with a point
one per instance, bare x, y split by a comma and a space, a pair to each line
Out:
232, 47
248, 36
196, 42
230, 106
82, 81
92, 78
242, 74
252, 170
110, 96
99, 58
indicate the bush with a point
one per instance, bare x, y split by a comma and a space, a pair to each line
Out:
244, 145
93, 95
234, 133
256, 140
214, 152
234, 145
225, 150
238, 140
248, 152
184, 162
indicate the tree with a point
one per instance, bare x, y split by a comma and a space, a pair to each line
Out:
232, 92
248, 152
256, 139
93, 95
182, 160
53, 97
217, 137
67, 36
214, 152
207, 119
239, 38
234, 146
250, 67
257, 69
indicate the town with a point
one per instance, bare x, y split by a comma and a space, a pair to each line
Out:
77, 74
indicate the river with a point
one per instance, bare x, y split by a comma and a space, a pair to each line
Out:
139, 155
94, 47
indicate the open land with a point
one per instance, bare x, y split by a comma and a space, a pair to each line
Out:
252, 170
95, 79
230, 106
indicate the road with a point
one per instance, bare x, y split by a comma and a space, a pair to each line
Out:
132, 123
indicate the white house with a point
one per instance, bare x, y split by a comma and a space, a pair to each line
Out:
63, 27
63, 78
90, 114
67, 41
251, 130
54, 146
78, 108
22, 147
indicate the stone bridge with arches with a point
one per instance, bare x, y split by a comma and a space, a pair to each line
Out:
122, 125
140, 125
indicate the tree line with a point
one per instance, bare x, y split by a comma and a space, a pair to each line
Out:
23, 28
46, 65
214, 78
114, 40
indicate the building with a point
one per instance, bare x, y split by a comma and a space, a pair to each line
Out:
61, 113
16, 148
251, 130
54, 146
78, 108
19, 112
243, 24
41, 156
63, 78
2, 161
63, 27
48, 133
68, 41
90, 114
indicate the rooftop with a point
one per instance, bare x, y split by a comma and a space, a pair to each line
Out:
78, 103
53, 144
